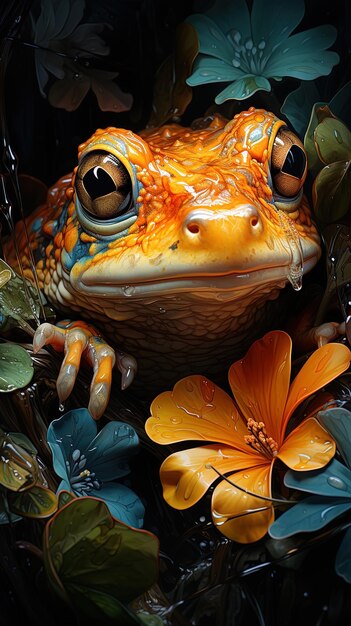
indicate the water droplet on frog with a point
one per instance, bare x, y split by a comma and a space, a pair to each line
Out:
337, 483
128, 290
202, 519
176, 420
162, 310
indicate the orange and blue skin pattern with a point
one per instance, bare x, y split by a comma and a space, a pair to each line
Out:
204, 243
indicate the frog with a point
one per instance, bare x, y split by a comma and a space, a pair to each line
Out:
170, 245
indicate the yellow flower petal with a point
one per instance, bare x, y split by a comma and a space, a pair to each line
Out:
185, 475
308, 447
196, 410
233, 510
322, 366
260, 381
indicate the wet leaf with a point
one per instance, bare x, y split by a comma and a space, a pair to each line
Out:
15, 308
331, 191
343, 557
171, 93
312, 513
18, 468
332, 141
319, 111
16, 367
6, 516
85, 548
37, 502
64, 497
22, 440
95, 604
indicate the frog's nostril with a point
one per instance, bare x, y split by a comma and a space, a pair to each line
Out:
193, 228
254, 221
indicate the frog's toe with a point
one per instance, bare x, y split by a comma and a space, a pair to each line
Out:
330, 331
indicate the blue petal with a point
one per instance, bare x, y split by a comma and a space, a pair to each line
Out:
334, 481
243, 88
108, 452
338, 423
209, 70
74, 430
267, 26
309, 515
64, 485
343, 558
122, 502
230, 16
298, 104
212, 40
304, 55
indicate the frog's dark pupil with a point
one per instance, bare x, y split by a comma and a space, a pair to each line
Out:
98, 182
295, 162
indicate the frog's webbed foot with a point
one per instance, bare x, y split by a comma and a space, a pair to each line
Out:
80, 340
308, 339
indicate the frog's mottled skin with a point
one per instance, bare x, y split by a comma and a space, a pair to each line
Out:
184, 283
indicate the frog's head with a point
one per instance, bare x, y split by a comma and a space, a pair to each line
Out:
211, 209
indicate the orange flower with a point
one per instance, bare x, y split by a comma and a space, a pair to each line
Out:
249, 439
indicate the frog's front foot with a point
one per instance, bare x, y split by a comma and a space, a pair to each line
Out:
80, 340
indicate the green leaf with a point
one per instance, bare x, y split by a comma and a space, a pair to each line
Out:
18, 468
37, 502
337, 421
85, 546
331, 191
22, 440
64, 497
16, 367
314, 162
332, 140
150, 620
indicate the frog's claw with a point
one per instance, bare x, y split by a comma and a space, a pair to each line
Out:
77, 340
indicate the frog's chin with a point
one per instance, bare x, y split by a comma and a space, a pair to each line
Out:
231, 285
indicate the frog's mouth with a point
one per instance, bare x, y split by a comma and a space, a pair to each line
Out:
210, 285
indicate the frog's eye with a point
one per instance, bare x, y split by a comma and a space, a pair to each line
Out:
288, 164
103, 186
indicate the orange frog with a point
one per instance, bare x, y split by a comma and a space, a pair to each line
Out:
171, 242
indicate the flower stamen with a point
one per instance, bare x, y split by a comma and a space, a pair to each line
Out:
259, 440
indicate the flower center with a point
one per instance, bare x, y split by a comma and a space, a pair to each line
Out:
249, 57
259, 440
82, 480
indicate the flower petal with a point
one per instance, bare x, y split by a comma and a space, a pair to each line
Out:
74, 430
186, 475
321, 368
306, 516
343, 557
209, 70
260, 381
266, 26
233, 510
122, 502
243, 88
110, 97
212, 39
308, 447
108, 453
196, 410
304, 55
237, 18
332, 481
69, 92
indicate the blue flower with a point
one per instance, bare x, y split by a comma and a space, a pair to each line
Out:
88, 461
331, 489
246, 50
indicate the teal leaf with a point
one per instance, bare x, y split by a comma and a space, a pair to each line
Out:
337, 421
16, 367
122, 502
340, 104
212, 39
343, 557
243, 88
312, 513
298, 104
334, 480
209, 70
